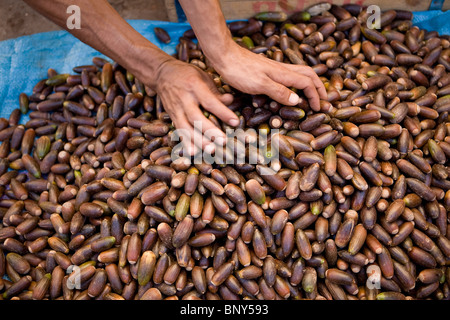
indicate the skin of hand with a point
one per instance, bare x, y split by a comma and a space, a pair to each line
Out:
182, 87
255, 74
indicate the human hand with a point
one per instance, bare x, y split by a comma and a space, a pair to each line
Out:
182, 88
255, 74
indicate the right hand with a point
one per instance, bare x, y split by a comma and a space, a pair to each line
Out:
255, 74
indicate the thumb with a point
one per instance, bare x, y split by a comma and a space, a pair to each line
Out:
282, 94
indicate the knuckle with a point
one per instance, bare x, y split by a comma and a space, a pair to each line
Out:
192, 82
209, 103
192, 116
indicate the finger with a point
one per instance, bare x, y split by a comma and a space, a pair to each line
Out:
293, 79
205, 126
307, 71
184, 132
211, 102
193, 142
312, 95
319, 85
226, 98
321, 88
279, 92
199, 122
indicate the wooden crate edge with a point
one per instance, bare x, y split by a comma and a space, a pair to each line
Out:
171, 10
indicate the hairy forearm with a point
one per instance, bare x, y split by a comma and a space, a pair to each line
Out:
209, 25
106, 31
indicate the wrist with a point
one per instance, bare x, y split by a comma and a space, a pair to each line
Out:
145, 61
222, 56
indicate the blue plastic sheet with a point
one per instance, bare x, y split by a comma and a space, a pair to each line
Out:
25, 60
433, 21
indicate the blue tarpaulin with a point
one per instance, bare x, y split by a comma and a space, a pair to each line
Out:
25, 60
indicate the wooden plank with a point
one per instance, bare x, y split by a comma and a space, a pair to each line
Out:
171, 10
244, 9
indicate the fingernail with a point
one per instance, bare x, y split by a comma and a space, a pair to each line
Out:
294, 98
234, 122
